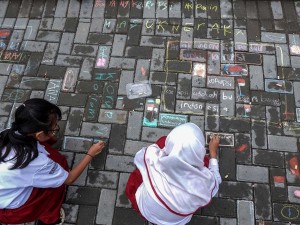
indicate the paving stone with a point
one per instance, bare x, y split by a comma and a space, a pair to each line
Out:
106, 204
245, 212
15, 40
212, 115
153, 134
132, 147
52, 91
95, 130
255, 34
142, 70
286, 213
83, 195
61, 8
252, 173
32, 29
236, 190
262, 202
3, 8
74, 120
256, 78
228, 221
119, 45
122, 200
50, 53
220, 207
73, 9
117, 140
282, 143
86, 215
33, 64
80, 181
232, 124
126, 216
278, 185
119, 163
102, 179
66, 43
121, 63
65, 60
33, 46
82, 33
259, 137
71, 212
134, 126
77, 144
86, 69
268, 158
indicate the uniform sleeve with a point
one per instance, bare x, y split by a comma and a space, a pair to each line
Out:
51, 175
214, 168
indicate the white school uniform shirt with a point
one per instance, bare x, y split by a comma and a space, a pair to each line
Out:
175, 181
16, 185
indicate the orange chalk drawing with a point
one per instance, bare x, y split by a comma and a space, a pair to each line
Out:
294, 168
242, 148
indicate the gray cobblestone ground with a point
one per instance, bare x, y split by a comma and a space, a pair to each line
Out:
230, 66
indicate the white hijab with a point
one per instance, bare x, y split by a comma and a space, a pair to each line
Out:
176, 175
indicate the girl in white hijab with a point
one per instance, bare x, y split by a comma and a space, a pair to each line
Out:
172, 183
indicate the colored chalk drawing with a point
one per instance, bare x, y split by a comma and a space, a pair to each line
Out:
290, 212
235, 70
278, 86
199, 70
226, 139
151, 113
172, 120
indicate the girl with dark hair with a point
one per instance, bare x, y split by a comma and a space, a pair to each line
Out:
33, 175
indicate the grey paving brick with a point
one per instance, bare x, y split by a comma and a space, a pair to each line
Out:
119, 163
32, 29
226, 9
132, 147
86, 215
297, 93
74, 121
86, 69
153, 134
96, 25
142, 70
95, 130
118, 45
292, 197
33, 46
99, 9
245, 212
102, 179
66, 43
157, 62
109, 25
59, 23
112, 116
86, 9
49, 36
8, 22
80, 181
65, 60
106, 204
61, 8
83, 195
256, 78
252, 174
71, 212
121, 63
88, 50
236, 190
295, 61
134, 125
262, 202
82, 33
73, 9
122, 199
259, 137
52, 91
240, 40
125, 78
277, 10
50, 53
269, 66
21, 23
153, 41
46, 24
3, 7
282, 53
149, 9
15, 40
213, 63
282, 143
3, 80
77, 144
228, 221
273, 37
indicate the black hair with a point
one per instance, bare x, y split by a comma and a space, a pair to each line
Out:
32, 116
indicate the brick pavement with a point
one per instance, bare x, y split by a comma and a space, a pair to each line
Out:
231, 67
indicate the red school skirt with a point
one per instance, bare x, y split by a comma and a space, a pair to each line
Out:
135, 179
43, 204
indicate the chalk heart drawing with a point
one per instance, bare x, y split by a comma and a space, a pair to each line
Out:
295, 49
290, 212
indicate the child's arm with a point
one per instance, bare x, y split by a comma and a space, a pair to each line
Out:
78, 169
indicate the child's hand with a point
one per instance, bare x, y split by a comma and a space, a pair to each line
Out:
213, 146
96, 148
